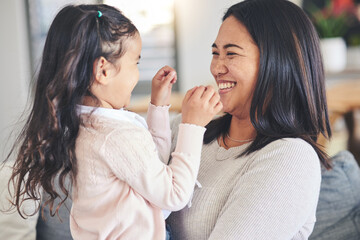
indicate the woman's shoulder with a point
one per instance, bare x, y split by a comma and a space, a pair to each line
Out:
289, 145
294, 151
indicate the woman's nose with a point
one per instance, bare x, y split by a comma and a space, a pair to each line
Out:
218, 67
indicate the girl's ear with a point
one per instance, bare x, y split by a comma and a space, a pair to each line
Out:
101, 66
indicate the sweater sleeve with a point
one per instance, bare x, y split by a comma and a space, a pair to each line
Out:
133, 158
275, 197
159, 127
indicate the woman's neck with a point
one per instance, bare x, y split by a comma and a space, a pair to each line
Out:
241, 131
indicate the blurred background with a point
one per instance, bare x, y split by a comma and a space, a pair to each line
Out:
178, 33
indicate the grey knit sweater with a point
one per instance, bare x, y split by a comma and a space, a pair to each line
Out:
269, 194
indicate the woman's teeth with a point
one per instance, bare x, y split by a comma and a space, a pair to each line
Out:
226, 85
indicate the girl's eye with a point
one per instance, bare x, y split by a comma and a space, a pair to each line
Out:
138, 63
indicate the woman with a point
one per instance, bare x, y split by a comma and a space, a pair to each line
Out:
260, 171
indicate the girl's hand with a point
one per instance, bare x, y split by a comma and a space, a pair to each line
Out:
161, 86
200, 105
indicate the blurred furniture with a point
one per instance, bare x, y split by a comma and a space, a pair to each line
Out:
141, 105
338, 210
12, 225
343, 100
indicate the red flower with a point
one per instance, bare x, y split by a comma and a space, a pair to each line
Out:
341, 6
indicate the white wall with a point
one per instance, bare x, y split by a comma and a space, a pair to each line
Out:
14, 68
15, 76
197, 25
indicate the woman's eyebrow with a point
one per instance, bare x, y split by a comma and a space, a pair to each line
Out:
232, 45
227, 46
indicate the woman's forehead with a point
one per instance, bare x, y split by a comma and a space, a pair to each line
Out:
233, 32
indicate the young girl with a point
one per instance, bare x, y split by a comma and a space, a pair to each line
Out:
78, 127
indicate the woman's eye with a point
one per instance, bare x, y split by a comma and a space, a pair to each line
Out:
215, 53
231, 54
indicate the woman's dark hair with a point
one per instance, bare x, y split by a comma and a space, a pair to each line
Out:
289, 98
77, 37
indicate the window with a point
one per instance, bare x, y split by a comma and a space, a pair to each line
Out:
40, 14
154, 20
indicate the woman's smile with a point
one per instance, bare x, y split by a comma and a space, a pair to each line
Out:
225, 86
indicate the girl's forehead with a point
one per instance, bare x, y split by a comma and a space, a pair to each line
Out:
134, 43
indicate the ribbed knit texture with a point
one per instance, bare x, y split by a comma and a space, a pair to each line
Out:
271, 194
122, 185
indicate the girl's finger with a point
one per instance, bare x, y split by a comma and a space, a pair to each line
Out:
164, 71
209, 92
189, 93
170, 77
198, 92
218, 107
214, 99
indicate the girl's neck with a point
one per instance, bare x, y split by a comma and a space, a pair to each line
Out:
90, 101
241, 131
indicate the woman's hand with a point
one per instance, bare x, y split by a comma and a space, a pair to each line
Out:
161, 86
200, 105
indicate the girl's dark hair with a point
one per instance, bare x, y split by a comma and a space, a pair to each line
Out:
77, 37
289, 99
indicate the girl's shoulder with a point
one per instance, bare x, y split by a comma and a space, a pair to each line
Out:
106, 125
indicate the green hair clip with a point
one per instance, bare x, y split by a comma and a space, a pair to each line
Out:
99, 15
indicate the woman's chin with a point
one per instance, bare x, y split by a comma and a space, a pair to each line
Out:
226, 104
226, 110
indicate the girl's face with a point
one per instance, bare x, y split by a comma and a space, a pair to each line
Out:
235, 66
123, 80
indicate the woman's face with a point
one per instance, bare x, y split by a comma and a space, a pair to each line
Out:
235, 66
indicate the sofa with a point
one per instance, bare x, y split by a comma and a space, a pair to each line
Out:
338, 211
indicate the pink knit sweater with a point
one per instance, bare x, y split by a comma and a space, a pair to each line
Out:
122, 185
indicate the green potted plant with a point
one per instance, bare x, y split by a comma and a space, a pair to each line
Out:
332, 22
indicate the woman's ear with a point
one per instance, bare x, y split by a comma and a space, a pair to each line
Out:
100, 71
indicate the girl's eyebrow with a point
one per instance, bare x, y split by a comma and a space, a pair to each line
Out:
227, 46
